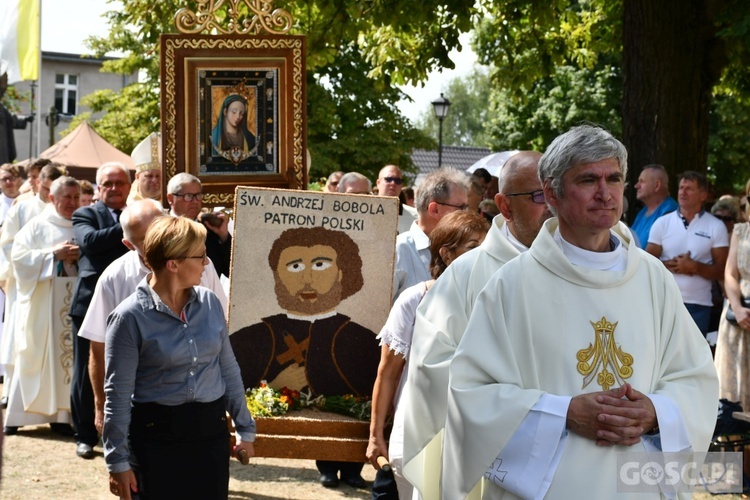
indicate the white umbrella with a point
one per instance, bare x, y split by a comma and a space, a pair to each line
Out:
493, 163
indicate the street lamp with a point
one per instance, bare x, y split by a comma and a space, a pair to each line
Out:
441, 106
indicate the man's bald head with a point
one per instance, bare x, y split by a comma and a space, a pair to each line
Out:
136, 219
521, 200
652, 187
516, 170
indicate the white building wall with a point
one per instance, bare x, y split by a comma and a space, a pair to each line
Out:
90, 79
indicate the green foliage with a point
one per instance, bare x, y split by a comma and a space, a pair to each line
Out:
728, 165
131, 114
12, 99
729, 126
525, 41
568, 97
468, 115
353, 123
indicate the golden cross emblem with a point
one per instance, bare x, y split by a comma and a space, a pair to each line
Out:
603, 355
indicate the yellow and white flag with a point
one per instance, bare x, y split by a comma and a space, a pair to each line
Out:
19, 38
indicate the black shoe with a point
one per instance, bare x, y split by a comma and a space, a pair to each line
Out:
329, 480
354, 481
10, 431
62, 429
84, 450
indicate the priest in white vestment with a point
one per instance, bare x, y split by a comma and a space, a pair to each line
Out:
44, 260
576, 351
18, 215
118, 281
444, 312
10, 181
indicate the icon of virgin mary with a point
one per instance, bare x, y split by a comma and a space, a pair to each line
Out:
230, 138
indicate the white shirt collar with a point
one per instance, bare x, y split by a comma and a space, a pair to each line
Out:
312, 318
614, 260
513, 240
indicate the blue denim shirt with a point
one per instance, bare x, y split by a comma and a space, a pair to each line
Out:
154, 356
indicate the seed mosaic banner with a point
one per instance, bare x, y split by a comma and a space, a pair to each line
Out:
312, 278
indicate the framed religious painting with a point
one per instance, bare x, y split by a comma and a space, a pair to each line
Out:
233, 111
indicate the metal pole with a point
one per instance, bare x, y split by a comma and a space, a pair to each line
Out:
440, 143
33, 113
52, 117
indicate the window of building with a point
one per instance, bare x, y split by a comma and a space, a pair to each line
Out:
66, 94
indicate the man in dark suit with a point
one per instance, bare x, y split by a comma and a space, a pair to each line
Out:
99, 236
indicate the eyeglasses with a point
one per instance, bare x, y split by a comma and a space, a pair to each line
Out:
726, 218
8, 179
113, 184
536, 196
190, 196
395, 180
460, 207
201, 257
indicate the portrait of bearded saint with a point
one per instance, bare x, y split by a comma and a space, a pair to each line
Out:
311, 346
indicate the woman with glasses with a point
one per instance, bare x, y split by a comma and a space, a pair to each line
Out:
171, 376
455, 234
727, 209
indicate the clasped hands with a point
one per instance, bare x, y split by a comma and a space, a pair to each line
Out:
66, 252
615, 417
682, 264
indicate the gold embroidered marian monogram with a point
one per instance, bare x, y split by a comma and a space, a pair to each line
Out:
603, 355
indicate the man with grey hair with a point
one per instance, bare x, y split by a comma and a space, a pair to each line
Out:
354, 183
119, 281
45, 259
99, 234
440, 193
185, 198
443, 313
559, 339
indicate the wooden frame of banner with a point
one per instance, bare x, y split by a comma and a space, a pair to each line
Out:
186, 120
314, 435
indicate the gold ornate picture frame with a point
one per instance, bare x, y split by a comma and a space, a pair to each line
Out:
233, 111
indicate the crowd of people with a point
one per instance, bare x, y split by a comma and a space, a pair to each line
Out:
531, 329
556, 263
68, 264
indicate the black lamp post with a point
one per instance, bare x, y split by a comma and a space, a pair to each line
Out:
441, 106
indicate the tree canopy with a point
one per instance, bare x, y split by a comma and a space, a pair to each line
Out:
661, 75
353, 122
468, 115
669, 78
